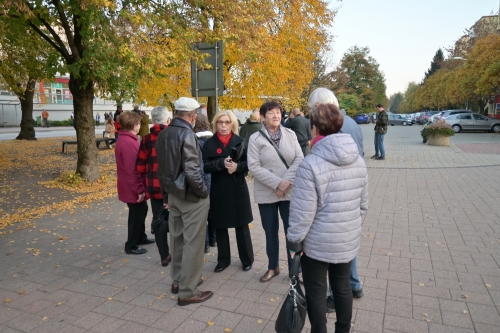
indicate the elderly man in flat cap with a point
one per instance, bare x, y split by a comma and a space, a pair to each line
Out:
179, 172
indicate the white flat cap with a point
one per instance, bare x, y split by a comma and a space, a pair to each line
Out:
186, 104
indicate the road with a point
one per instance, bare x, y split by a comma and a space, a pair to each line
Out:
10, 133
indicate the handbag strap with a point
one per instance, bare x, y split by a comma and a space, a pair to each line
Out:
276, 148
294, 272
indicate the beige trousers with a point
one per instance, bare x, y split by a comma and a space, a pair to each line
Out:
187, 223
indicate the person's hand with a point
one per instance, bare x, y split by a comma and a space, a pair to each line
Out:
230, 166
284, 185
292, 254
166, 206
279, 193
141, 197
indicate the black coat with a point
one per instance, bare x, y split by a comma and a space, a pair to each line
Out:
229, 198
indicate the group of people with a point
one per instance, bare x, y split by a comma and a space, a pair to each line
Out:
195, 175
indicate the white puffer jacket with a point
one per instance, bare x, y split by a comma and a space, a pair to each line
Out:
329, 195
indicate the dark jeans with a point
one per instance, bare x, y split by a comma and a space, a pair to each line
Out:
314, 275
244, 241
270, 223
211, 236
161, 235
136, 225
379, 145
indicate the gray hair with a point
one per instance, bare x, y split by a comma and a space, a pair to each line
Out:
322, 96
160, 115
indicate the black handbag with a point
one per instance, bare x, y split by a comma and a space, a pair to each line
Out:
292, 316
237, 151
158, 219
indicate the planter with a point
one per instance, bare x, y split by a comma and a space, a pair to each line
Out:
439, 140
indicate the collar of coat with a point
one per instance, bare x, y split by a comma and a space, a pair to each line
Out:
225, 151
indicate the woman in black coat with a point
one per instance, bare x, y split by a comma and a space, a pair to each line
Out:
229, 198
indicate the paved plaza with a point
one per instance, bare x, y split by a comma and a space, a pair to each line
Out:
429, 258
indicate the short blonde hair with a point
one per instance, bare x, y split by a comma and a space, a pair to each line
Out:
230, 114
255, 116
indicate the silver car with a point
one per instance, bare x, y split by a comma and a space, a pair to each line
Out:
473, 122
398, 119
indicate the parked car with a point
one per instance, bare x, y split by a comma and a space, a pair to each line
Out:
472, 122
429, 116
362, 119
447, 113
399, 119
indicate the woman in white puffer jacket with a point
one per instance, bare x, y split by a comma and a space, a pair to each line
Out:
329, 195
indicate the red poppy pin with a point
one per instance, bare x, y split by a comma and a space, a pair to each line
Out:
219, 151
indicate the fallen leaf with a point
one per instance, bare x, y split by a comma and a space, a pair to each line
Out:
22, 292
210, 323
421, 284
465, 311
227, 330
488, 285
260, 321
59, 303
45, 318
465, 296
424, 314
110, 298
7, 300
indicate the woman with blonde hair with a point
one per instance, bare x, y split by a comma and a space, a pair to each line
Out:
229, 198
109, 130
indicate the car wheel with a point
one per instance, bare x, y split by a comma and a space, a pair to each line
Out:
404, 123
456, 128
496, 128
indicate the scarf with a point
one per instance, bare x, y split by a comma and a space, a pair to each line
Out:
275, 137
319, 137
224, 140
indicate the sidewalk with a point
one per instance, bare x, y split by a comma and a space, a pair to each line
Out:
429, 258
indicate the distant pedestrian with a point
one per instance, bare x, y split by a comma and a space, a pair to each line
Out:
106, 116
45, 118
179, 172
300, 125
109, 131
251, 126
380, 131
111, 114
73, 118
97, 119
136, 110
144, 124
118, 111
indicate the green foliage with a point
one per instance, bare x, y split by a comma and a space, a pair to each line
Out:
408, 103
435, 64
359, 75
394, 102
348, 102
439, 128
58, 123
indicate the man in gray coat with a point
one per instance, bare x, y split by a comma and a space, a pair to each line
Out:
300, 125
326, 96
183, 188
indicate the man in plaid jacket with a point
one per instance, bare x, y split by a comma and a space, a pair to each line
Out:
147, 165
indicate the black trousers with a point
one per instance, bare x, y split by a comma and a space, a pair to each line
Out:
161, 235
271, 225
136, 225
314, 275
244, 241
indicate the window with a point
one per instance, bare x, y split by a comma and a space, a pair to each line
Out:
465, 116
479, 117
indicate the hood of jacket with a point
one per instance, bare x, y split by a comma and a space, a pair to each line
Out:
204, 134
156, 128
339, 149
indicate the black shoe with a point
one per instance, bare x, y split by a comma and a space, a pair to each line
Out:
330, 305
147, 241
165, 262
219, 268
212, 244
358, 293
380, 158
139, 250
207, 249
247, 268
374, 156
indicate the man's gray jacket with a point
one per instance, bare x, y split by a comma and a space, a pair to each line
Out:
350, 127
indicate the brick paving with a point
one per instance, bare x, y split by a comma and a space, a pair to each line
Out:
429, 258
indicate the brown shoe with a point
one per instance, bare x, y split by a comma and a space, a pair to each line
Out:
202, 296
269, 275
175, 286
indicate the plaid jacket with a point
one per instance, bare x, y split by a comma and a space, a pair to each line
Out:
147, 162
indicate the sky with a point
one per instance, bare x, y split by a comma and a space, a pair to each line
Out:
404, 35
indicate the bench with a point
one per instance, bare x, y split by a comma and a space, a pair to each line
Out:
98, 141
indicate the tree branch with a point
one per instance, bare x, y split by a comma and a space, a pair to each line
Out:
67, 29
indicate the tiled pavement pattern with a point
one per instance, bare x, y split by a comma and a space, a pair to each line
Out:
429, 259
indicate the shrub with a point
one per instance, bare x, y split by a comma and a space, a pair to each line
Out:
439, 128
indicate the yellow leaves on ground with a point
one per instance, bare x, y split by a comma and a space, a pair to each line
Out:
31, 187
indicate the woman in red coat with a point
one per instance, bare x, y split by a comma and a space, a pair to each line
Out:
130, 183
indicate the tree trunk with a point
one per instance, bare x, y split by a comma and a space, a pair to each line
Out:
27, 123
87, 165
211, 111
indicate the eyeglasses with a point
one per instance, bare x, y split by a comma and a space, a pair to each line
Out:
220, 122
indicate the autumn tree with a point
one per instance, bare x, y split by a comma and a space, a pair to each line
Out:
24, 60
348, 102
408, 103
359, 74
265, 55
94, 41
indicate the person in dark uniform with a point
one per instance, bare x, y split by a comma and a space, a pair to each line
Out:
229, 197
